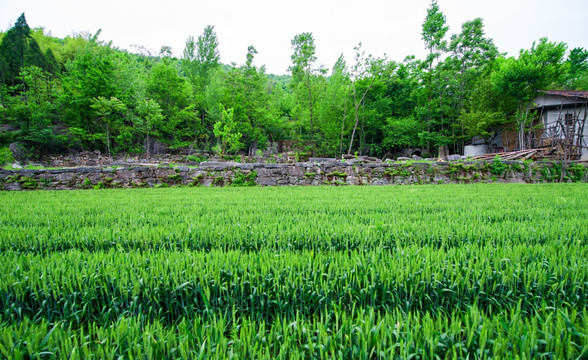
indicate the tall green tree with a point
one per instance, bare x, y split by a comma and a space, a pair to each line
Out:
88, 76
188, 63
519, 80
200, 63
433, 34
577, 76
36, 117
151, 117
18, 50
365, 70
305, 75
106, 109
471, 55
335, 109
172, 93
247, 92
207, 56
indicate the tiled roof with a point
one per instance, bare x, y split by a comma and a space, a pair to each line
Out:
568, 94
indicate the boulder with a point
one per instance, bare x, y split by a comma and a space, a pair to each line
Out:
266, 181
12, 186
18, 151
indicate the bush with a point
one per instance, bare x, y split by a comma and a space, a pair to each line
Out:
497, 167
6, 156
241, 179
576, 172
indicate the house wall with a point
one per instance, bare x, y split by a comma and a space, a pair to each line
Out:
475, 150
505, 140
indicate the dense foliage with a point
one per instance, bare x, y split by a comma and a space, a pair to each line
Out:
496, 271
80, 93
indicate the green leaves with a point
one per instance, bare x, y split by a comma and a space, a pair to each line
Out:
433, 31
401, 133
225, 129
105, 107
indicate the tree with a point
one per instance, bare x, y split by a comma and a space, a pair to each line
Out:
188, 62
168, 89
152, 116
34, 116
200, 62
225, 129
208, 56
401, 133
485, 110
105, 109
246, 91
171, 91
520, 79
471, 56
365, 68
577, 77
433, 34
89, 76
304, 74
334, 109
201, 58
18, 50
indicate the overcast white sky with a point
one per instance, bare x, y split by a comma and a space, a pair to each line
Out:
391, 27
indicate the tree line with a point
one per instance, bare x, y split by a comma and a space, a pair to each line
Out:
79, 93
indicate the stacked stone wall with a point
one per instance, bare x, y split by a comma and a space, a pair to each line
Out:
335, 173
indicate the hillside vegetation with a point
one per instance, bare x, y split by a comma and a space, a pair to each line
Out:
81, 93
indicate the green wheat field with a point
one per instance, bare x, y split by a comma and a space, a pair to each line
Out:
422, 272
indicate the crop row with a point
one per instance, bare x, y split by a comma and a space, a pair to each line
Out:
324, 219
82, 287
363, 335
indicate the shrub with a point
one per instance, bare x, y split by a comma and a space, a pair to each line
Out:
497, 167
576, 172
6, 156
241, 179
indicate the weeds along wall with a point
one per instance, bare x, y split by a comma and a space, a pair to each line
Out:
333, 173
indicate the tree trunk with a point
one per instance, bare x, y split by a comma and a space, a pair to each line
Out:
108, 139
356, 122
147, 146
342, 130
362, 132
310, 114
356, 110
430, 98
522, 119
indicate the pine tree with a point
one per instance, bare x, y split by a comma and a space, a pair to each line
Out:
19, 50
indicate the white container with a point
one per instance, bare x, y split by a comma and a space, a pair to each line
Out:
475, 150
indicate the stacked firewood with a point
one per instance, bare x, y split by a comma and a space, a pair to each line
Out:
517, 155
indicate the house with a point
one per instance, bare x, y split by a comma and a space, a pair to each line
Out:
559, 123
562, 119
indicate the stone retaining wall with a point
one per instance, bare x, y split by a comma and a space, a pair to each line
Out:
309, 173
